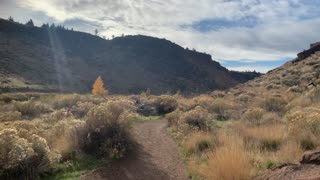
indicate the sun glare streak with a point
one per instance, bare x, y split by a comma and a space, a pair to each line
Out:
63, 74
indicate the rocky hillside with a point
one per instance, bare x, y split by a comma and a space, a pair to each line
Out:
55, 59
296, 76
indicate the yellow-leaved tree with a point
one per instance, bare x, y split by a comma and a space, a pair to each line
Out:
98, 88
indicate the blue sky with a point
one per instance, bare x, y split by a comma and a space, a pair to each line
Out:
241, 34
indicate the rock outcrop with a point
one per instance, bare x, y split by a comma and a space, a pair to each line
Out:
308, 169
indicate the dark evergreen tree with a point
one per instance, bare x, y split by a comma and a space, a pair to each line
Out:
53, 26
10, 19
45, 25
30, 23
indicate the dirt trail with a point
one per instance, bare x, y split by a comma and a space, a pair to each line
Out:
157, 157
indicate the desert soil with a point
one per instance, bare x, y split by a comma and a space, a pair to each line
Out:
157, 157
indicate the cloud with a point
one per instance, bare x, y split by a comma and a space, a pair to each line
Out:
262, 69
251, 30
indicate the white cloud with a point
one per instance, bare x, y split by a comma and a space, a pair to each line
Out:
282, 28
262, 69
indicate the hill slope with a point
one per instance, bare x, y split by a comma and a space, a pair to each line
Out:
61, 60
297, 76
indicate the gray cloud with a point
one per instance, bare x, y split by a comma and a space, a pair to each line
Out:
283, 27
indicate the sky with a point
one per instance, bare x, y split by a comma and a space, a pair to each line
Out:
240, 34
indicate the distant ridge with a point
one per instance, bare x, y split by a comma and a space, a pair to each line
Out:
59, 60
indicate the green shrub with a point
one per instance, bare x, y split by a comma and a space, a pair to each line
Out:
269, 164
81, 109
22, 158
165, 104
10, 116
274, 104
173, 117
7, 98
221, 108
197, 118
106, 131
65, 101
31, 108
254, 116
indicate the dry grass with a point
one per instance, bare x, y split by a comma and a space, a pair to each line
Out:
262, 138
274, 104
56, 127
198, 142
271, 120
290, 152
229, 161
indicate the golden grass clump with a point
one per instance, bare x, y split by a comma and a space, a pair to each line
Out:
263, 138
198, 142
229, 161
290, 152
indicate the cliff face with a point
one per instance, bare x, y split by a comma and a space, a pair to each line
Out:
313, 48
55, 59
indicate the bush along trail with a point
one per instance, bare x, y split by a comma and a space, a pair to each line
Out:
156, 157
